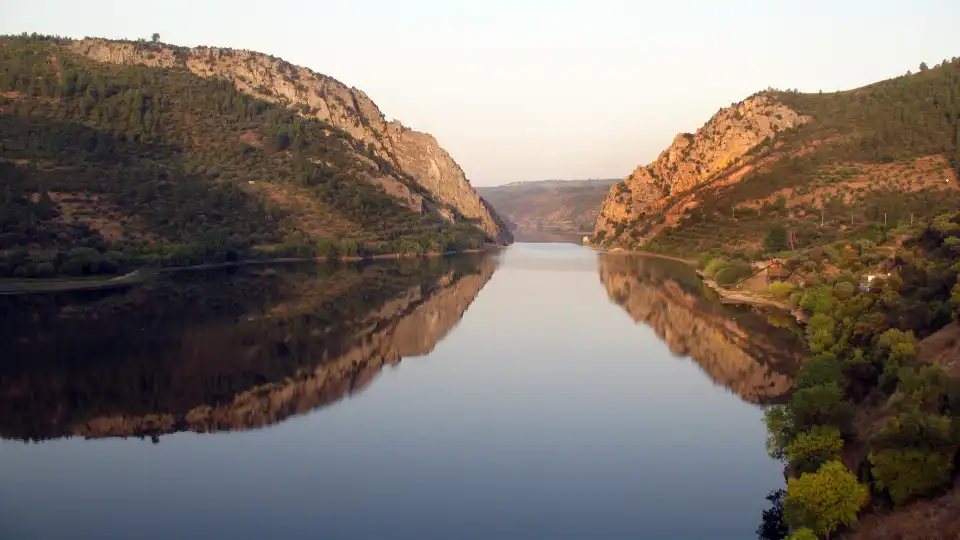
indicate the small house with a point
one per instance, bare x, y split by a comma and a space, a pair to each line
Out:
871, 281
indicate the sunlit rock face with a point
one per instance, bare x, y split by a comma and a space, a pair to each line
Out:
412, 153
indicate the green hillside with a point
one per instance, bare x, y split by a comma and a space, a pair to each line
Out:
868, 161
553, 205
105, 167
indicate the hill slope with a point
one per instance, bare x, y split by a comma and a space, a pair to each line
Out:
568, 206
107, 165
824, 167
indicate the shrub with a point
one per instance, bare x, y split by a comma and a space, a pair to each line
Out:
912, 455
908, 474
824, 500
705, 259
781, 290
822, 405
45, 269
819, 299
821, 332
844, 290
821, 369
810, 450
714, 266
733, 272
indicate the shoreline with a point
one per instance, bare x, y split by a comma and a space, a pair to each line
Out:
145, 273
621, 251
740, 297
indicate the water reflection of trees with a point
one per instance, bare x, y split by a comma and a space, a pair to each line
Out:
737, 348
771, 525
224, 349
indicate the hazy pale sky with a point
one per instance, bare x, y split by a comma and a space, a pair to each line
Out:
530, 90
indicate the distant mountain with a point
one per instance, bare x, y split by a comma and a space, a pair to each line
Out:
813, 168
120, 153
538, 209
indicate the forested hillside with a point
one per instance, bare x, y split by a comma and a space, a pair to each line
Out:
568, 206
105, 167
806, 170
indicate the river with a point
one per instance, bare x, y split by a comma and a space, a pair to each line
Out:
543, 391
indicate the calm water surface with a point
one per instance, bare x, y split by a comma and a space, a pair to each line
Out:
542, 392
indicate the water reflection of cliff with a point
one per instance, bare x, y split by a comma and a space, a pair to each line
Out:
221, 350
737, 348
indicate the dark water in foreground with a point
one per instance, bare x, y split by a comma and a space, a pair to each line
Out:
544, 392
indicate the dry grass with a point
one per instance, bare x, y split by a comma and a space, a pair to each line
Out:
937, 519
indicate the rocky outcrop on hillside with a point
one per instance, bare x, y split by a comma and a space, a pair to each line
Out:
694, 159
414, 154
410, 325
741, 360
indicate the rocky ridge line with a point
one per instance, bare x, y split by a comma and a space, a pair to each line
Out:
694, 159
416, 154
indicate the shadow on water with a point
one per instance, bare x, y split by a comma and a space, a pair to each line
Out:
752, 352
228, 349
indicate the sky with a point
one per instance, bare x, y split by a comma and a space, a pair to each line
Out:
522, 90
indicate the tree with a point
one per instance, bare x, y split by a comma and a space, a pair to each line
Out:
820, 332
780, 430
822, 405
776, 239
803, 533
923, 66
819, 299
810, 450
824, 500
907, 474
912, 455
823, 368
155, 37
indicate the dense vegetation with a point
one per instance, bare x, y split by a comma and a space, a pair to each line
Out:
869, 161
104, 167
868, 415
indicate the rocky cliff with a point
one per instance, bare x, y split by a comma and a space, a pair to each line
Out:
750, 363
415, 154
692, 160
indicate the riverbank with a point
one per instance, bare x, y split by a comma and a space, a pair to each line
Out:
621, 251
144, 274
727, 296
747, 297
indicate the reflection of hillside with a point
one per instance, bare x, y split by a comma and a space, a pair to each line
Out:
301, 342
743, 354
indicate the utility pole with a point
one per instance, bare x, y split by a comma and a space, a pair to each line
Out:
885, 220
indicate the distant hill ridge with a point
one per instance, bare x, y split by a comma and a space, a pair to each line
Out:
564, 206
